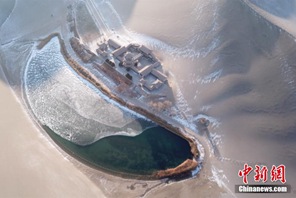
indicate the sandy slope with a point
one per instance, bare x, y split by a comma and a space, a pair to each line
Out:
30, 165
283, 15
235, 66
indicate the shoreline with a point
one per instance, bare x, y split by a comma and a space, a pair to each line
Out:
124, 175
30, 161
92, 165
184, 168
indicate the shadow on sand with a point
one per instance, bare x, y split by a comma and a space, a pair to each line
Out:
283, 8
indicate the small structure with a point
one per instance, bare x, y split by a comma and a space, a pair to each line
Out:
119, 52
103, 46
142, 81
128, 60
145, 71
102, 50
154, 85
145, 50
110, 63
156, 64
113, 44
137, 57
159, 75
129, 76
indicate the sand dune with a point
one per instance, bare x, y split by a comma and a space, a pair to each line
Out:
6, 9
282, 14
30, 164
233, 61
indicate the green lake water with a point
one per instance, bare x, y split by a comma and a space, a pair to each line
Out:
154, 149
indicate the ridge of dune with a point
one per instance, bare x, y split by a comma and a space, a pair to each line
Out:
285, 25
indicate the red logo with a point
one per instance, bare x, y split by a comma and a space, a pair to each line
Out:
261, 174
245, 172
277, 173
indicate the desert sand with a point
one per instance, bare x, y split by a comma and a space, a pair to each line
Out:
234, 63
30, 164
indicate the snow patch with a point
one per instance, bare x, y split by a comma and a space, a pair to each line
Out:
65, 103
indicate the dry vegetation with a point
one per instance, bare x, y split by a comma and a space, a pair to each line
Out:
85, 55
181, 169
160, 105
